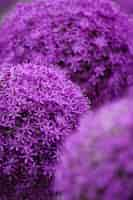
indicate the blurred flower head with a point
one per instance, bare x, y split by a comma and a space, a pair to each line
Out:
97, 162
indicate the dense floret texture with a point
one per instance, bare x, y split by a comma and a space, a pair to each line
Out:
90, 40
97, 163
39, 107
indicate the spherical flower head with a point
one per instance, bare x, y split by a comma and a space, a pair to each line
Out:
90, 40
97, 162
39, 107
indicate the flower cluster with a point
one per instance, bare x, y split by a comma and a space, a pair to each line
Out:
39, 107
59, 59
90, 40
97, 162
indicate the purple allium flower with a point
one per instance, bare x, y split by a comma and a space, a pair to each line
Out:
38, 108
97, 163
89, 39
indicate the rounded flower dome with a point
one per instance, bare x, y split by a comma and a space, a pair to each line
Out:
97, 162
39, 107
90, 40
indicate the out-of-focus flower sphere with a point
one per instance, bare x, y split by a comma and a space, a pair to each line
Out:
39, 107
97, 162
90, 40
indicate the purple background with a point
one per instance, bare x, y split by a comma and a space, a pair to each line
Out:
126, 5
5, 4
